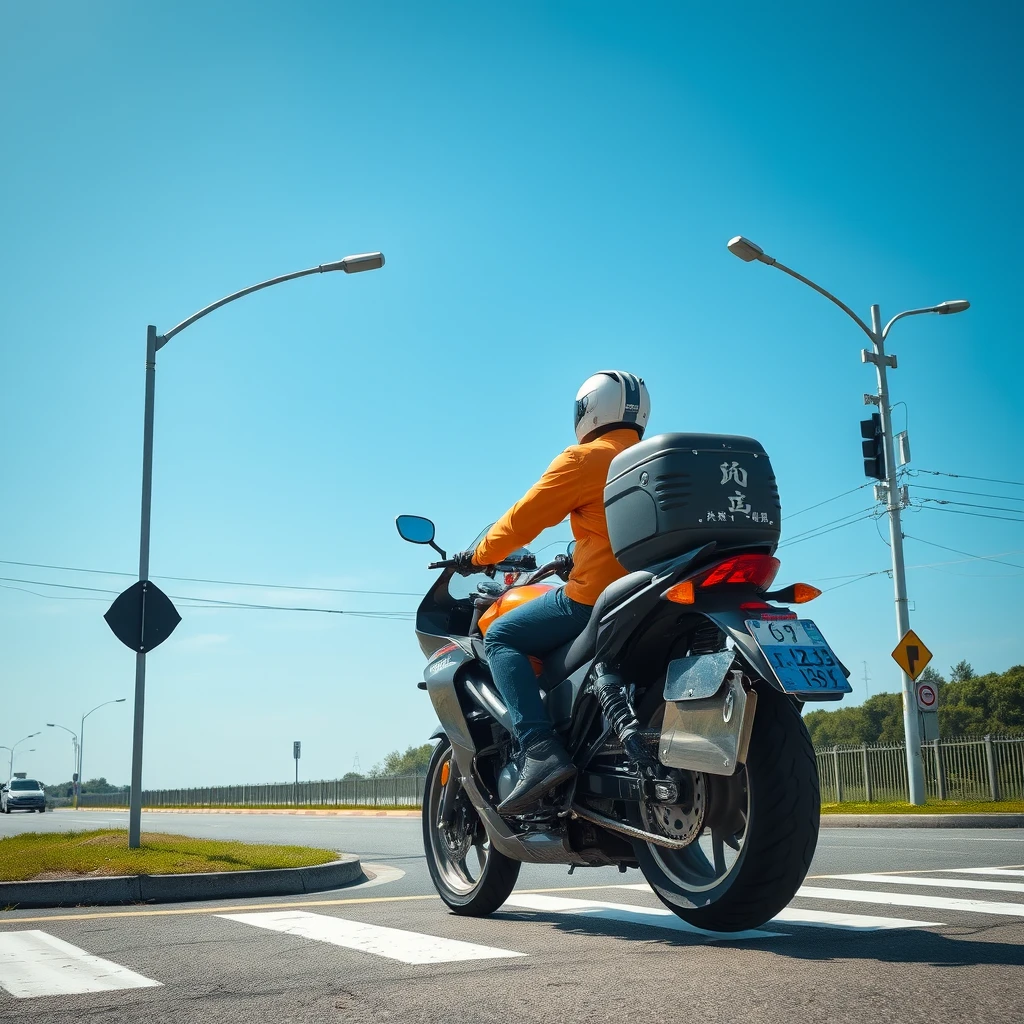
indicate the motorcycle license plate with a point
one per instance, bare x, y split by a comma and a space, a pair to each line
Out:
800, 656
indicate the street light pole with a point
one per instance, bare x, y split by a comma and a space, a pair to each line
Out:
24, 739
81, 741
748, 252
154, 342
74, 741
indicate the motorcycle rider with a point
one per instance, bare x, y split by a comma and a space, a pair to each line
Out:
612, 409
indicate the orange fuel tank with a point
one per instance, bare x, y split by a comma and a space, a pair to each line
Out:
511, 599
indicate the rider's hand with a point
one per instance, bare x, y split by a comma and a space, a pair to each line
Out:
464, 564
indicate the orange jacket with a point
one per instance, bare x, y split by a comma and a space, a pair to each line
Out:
572, 486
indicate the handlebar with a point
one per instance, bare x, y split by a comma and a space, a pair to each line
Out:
514, 563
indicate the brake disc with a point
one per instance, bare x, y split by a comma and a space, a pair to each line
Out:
684, 822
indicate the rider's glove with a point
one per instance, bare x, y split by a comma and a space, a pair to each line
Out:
464, 565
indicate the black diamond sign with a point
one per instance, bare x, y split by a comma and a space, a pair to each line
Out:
143, 617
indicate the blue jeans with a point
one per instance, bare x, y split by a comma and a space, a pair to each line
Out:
536, 628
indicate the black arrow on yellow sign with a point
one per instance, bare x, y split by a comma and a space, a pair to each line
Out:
911, 654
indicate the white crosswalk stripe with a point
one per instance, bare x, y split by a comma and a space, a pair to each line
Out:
34, 963
909, 899
846, 922
932, 882
827, 918
628, 913
393, 943
1011, 872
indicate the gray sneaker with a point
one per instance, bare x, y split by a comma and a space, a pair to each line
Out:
545, 765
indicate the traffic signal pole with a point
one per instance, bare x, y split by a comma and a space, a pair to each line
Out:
911, 723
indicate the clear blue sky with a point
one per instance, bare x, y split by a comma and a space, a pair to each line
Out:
553, 185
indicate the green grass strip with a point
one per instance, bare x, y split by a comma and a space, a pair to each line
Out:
43, 855
932, 807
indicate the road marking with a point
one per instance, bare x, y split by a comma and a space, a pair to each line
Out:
626, 913
1013, 872
33, 963
393, 943
850, 922
218, 908
827, 918
906, 899
940, 883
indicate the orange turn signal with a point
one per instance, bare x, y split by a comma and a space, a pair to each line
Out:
446, 769
804, 592
681, 593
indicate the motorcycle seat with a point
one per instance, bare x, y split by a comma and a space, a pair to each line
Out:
564, 660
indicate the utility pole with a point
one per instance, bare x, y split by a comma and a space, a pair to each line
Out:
889, 491
878, 449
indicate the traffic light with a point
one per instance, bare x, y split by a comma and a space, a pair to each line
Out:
872, 446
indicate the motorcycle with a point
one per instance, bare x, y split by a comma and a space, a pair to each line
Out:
680, 703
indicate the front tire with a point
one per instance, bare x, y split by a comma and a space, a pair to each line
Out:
775, 806
470, 876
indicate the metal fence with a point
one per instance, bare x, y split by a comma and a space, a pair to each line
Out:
972, 768
385, 791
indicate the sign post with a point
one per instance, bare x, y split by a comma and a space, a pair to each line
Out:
297, 753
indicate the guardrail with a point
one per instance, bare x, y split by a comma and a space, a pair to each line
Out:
968, 769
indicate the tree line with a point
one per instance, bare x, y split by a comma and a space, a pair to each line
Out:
969, 705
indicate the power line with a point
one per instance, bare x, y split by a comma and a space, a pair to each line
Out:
225, 583
207, 602
964, 476
853, 490
976, 515
835, 524
976, 494
971, 504
957, 551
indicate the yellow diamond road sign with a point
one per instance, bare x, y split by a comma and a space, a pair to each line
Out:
911, 654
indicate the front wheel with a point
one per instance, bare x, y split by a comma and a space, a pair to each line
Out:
759, 829
469, 874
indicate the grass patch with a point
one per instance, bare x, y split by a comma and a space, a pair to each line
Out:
41, 855
932, 807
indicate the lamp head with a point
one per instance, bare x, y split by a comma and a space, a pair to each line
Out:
356, 264
747, 250
953, 306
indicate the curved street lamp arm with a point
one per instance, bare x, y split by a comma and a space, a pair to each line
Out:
164, 338
900, 316
119, 700
828, 295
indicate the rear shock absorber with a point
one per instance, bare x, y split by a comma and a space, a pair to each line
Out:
610, 690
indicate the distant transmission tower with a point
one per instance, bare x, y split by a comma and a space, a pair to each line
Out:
866, 678
356, 767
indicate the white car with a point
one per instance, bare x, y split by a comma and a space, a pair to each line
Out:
22, 795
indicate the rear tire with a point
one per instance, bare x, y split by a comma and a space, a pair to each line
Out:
783, 809
477, 883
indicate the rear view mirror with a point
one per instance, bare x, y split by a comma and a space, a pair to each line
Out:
571, 549
415, 529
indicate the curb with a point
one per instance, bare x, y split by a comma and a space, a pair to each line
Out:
922, 820
340, 813
214, 885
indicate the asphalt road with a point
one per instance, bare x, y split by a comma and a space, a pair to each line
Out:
936, 932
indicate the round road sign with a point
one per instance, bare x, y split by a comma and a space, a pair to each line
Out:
927, 696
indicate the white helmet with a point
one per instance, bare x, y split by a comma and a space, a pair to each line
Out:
610, 400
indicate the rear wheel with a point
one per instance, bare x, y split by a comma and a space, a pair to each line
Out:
469, 874
758, 831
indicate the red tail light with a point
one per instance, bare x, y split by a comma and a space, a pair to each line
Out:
750, 570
